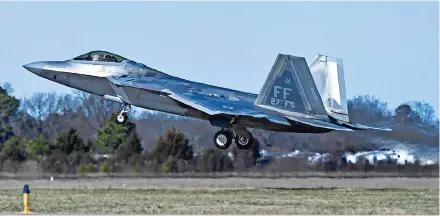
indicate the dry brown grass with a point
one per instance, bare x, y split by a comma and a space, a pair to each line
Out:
225, 201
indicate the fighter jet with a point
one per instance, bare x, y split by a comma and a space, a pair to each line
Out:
294, 98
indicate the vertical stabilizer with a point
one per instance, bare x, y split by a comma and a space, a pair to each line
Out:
328, 74
290, 89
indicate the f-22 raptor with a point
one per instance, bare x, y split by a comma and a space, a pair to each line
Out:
294, 98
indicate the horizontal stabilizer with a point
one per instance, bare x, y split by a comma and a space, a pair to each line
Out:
318, 123
357, 126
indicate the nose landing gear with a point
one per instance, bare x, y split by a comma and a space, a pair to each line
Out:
123, 116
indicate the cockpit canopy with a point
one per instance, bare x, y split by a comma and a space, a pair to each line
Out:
100, 56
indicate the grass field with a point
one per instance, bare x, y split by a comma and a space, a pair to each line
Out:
225, 201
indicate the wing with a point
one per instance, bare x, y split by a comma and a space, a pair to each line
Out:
224, 105
220, 101
218, 104
205, 98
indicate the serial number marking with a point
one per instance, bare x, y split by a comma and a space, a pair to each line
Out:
281, 102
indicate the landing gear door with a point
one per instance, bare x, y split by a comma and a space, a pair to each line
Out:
119, 91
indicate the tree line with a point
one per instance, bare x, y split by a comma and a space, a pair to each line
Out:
76, 132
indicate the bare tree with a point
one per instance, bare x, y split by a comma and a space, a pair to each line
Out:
96, 107
40, 104
368, 109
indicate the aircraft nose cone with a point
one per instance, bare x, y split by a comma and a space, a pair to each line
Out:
35, 67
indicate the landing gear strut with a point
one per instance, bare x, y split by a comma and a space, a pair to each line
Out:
122, 117
223, 139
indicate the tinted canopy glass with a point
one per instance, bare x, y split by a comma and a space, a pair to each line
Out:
100, 56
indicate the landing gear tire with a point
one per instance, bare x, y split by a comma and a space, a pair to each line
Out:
122, 118
244, 142
223, 139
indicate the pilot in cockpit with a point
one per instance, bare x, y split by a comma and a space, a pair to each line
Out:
89, 57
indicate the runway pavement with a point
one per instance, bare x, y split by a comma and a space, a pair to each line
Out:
292, 183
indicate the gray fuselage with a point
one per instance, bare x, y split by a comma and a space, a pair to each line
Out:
143, 88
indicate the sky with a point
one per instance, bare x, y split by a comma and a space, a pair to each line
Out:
390, 49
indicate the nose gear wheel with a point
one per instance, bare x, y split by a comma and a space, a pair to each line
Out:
123, 115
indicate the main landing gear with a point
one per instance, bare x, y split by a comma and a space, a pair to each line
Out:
223, 139
123, 116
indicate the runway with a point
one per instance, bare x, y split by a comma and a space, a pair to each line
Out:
288, 183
